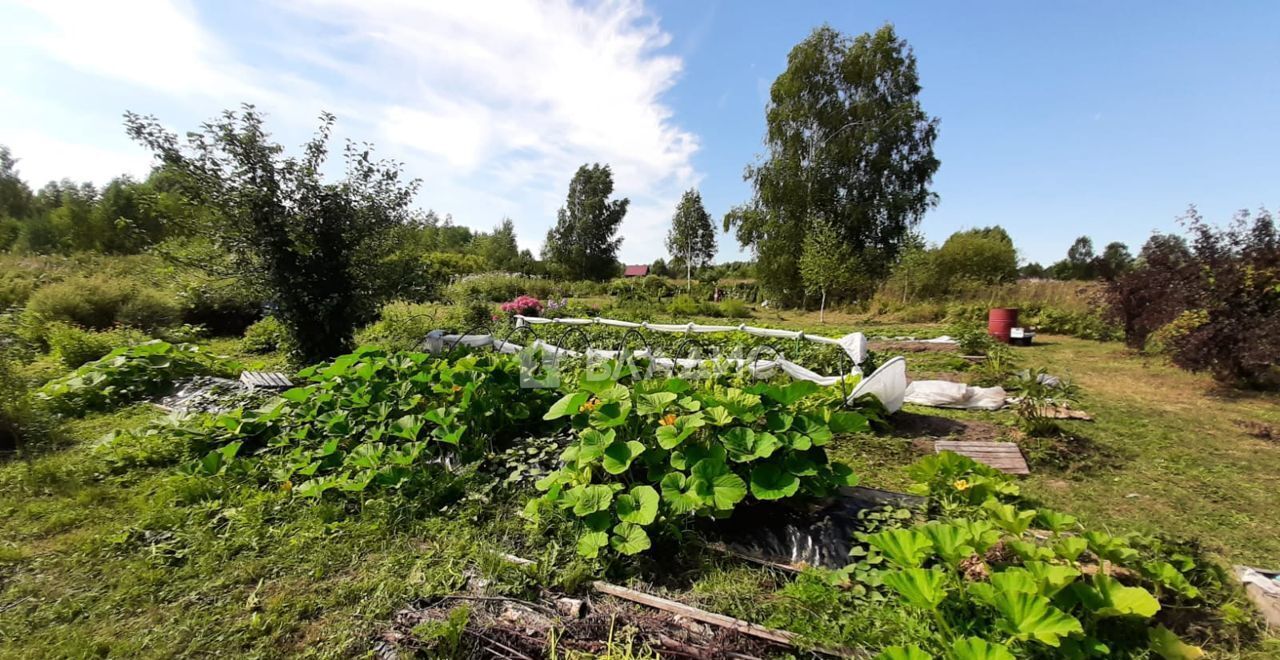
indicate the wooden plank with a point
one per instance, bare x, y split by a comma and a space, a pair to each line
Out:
782, 637
1003, 456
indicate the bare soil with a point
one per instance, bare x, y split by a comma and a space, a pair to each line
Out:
499, 627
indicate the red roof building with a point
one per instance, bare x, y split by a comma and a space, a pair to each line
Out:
635, 271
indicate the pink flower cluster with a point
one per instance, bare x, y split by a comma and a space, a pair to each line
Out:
526, 305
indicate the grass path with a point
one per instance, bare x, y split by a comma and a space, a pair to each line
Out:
1185, 463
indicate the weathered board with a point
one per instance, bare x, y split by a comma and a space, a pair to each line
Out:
1003, 456
272, 380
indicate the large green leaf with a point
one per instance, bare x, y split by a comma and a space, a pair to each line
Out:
716, 484
589, 543
982, 534
590, 499
670, 436
1030, 616
629, 539
719, 415
814, 428
792, 392
770, 482
1070, 547
950, 540
778, 421
677, 494
1054, 521
904, 547
619, 455
912, 652
1111, 548
740, 442
847, 421
610, 414
1008, 517
568, 404
654, 404
1164, 573
975, 648
689, 455
923, 588
766, 444
1051, 578
1107, 597
640, 506
1168, 646
592, 443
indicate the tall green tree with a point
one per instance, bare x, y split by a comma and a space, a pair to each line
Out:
985, 255
848, 144
691, 239
499, 248
16, 200
314, 245
584, 244
1116, 260
827, 264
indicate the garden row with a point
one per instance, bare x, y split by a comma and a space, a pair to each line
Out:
633, 462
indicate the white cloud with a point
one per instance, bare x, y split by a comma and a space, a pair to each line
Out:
150, 43
493, 104
43, 158
518, 95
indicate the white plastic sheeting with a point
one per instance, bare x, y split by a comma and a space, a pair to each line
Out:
945, 394
888, 383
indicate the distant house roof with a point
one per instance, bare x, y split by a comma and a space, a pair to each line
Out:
636, 271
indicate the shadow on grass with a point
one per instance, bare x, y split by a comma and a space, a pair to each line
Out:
1072, 454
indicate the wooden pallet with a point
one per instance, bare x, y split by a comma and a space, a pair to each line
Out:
270, 380
1003, 456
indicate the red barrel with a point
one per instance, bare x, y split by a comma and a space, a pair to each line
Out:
999, 321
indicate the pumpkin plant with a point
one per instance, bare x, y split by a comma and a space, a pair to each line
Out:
655, 453
981, 573
373, 419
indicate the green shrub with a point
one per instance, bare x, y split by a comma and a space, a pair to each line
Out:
265, 336
971, 339
472, 316
149, 310
129, 374
224, 307
499, 287
74, 346
90, 302
684, 306
98, 302
401, 326
22, 423
735, 309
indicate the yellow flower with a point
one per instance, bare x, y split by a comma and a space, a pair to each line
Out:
961, 484
457, 388
668, 420
590, 405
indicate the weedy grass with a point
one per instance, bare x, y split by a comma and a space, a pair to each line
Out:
151, 563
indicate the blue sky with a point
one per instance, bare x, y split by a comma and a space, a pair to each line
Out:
1057, 119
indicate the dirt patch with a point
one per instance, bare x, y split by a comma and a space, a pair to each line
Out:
930, 427
500, 627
